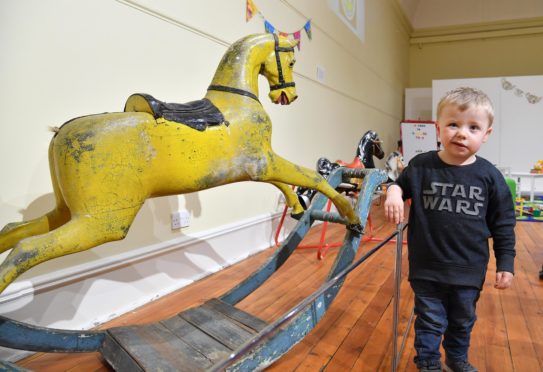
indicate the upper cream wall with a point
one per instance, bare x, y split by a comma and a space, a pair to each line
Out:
67, 58
476, 51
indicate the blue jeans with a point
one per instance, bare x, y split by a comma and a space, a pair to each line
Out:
443, 311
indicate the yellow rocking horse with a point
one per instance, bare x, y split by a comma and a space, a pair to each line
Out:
103, 167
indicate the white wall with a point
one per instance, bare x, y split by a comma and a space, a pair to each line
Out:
418, 104
67, 58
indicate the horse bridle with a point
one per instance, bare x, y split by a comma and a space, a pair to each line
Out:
282, 83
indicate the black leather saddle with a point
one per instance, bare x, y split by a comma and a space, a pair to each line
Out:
196, 114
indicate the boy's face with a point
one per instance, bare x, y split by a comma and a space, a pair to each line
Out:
462, 133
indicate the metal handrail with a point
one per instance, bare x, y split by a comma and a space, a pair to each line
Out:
269, 330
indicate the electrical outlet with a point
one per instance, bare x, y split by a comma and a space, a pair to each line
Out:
184, 218
180, 219
176, 220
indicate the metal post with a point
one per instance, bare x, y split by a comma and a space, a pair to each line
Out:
397, 283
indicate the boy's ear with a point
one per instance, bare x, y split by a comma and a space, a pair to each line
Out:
487, 134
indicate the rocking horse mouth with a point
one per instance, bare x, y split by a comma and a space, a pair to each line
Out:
283, 99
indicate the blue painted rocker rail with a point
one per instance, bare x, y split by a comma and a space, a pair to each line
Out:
18, 335
216, 335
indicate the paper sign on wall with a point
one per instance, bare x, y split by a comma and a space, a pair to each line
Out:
417, 137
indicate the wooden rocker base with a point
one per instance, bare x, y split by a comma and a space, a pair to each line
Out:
193, 340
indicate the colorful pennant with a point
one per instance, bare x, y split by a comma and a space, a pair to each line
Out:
251, 10
531, 98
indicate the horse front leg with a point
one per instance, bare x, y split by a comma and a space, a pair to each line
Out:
281, 170
291, 198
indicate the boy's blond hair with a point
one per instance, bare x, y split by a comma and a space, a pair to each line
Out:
464, 98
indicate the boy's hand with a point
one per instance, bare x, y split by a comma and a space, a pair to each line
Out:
394, 204
503, 280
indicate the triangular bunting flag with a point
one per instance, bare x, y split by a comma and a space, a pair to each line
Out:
307, 28
269, 27
298, 38
250, 10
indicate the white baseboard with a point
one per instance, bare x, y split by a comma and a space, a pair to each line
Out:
87, 295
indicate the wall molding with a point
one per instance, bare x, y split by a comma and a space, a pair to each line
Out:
50, 281
402, 16
166, 18
477, 31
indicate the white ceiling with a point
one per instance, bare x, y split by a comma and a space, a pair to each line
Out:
436, 13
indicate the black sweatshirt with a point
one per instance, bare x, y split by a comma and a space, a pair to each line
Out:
454, 210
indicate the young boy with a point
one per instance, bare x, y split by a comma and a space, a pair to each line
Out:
459, 200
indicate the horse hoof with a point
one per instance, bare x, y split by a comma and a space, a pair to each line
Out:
356, 228
297, 216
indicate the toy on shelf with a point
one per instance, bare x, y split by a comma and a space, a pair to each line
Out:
538, 167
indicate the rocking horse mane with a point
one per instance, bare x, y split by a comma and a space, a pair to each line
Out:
243, 47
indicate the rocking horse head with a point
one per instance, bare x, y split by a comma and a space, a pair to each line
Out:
368, 147
266, 54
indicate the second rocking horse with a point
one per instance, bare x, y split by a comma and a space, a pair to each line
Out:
368, 147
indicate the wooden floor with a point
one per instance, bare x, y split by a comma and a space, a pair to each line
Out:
355, 334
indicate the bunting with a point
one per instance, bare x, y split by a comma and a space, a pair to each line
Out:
531, 98
251, 10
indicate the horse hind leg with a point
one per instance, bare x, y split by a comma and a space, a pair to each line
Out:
14, 232
77, 235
